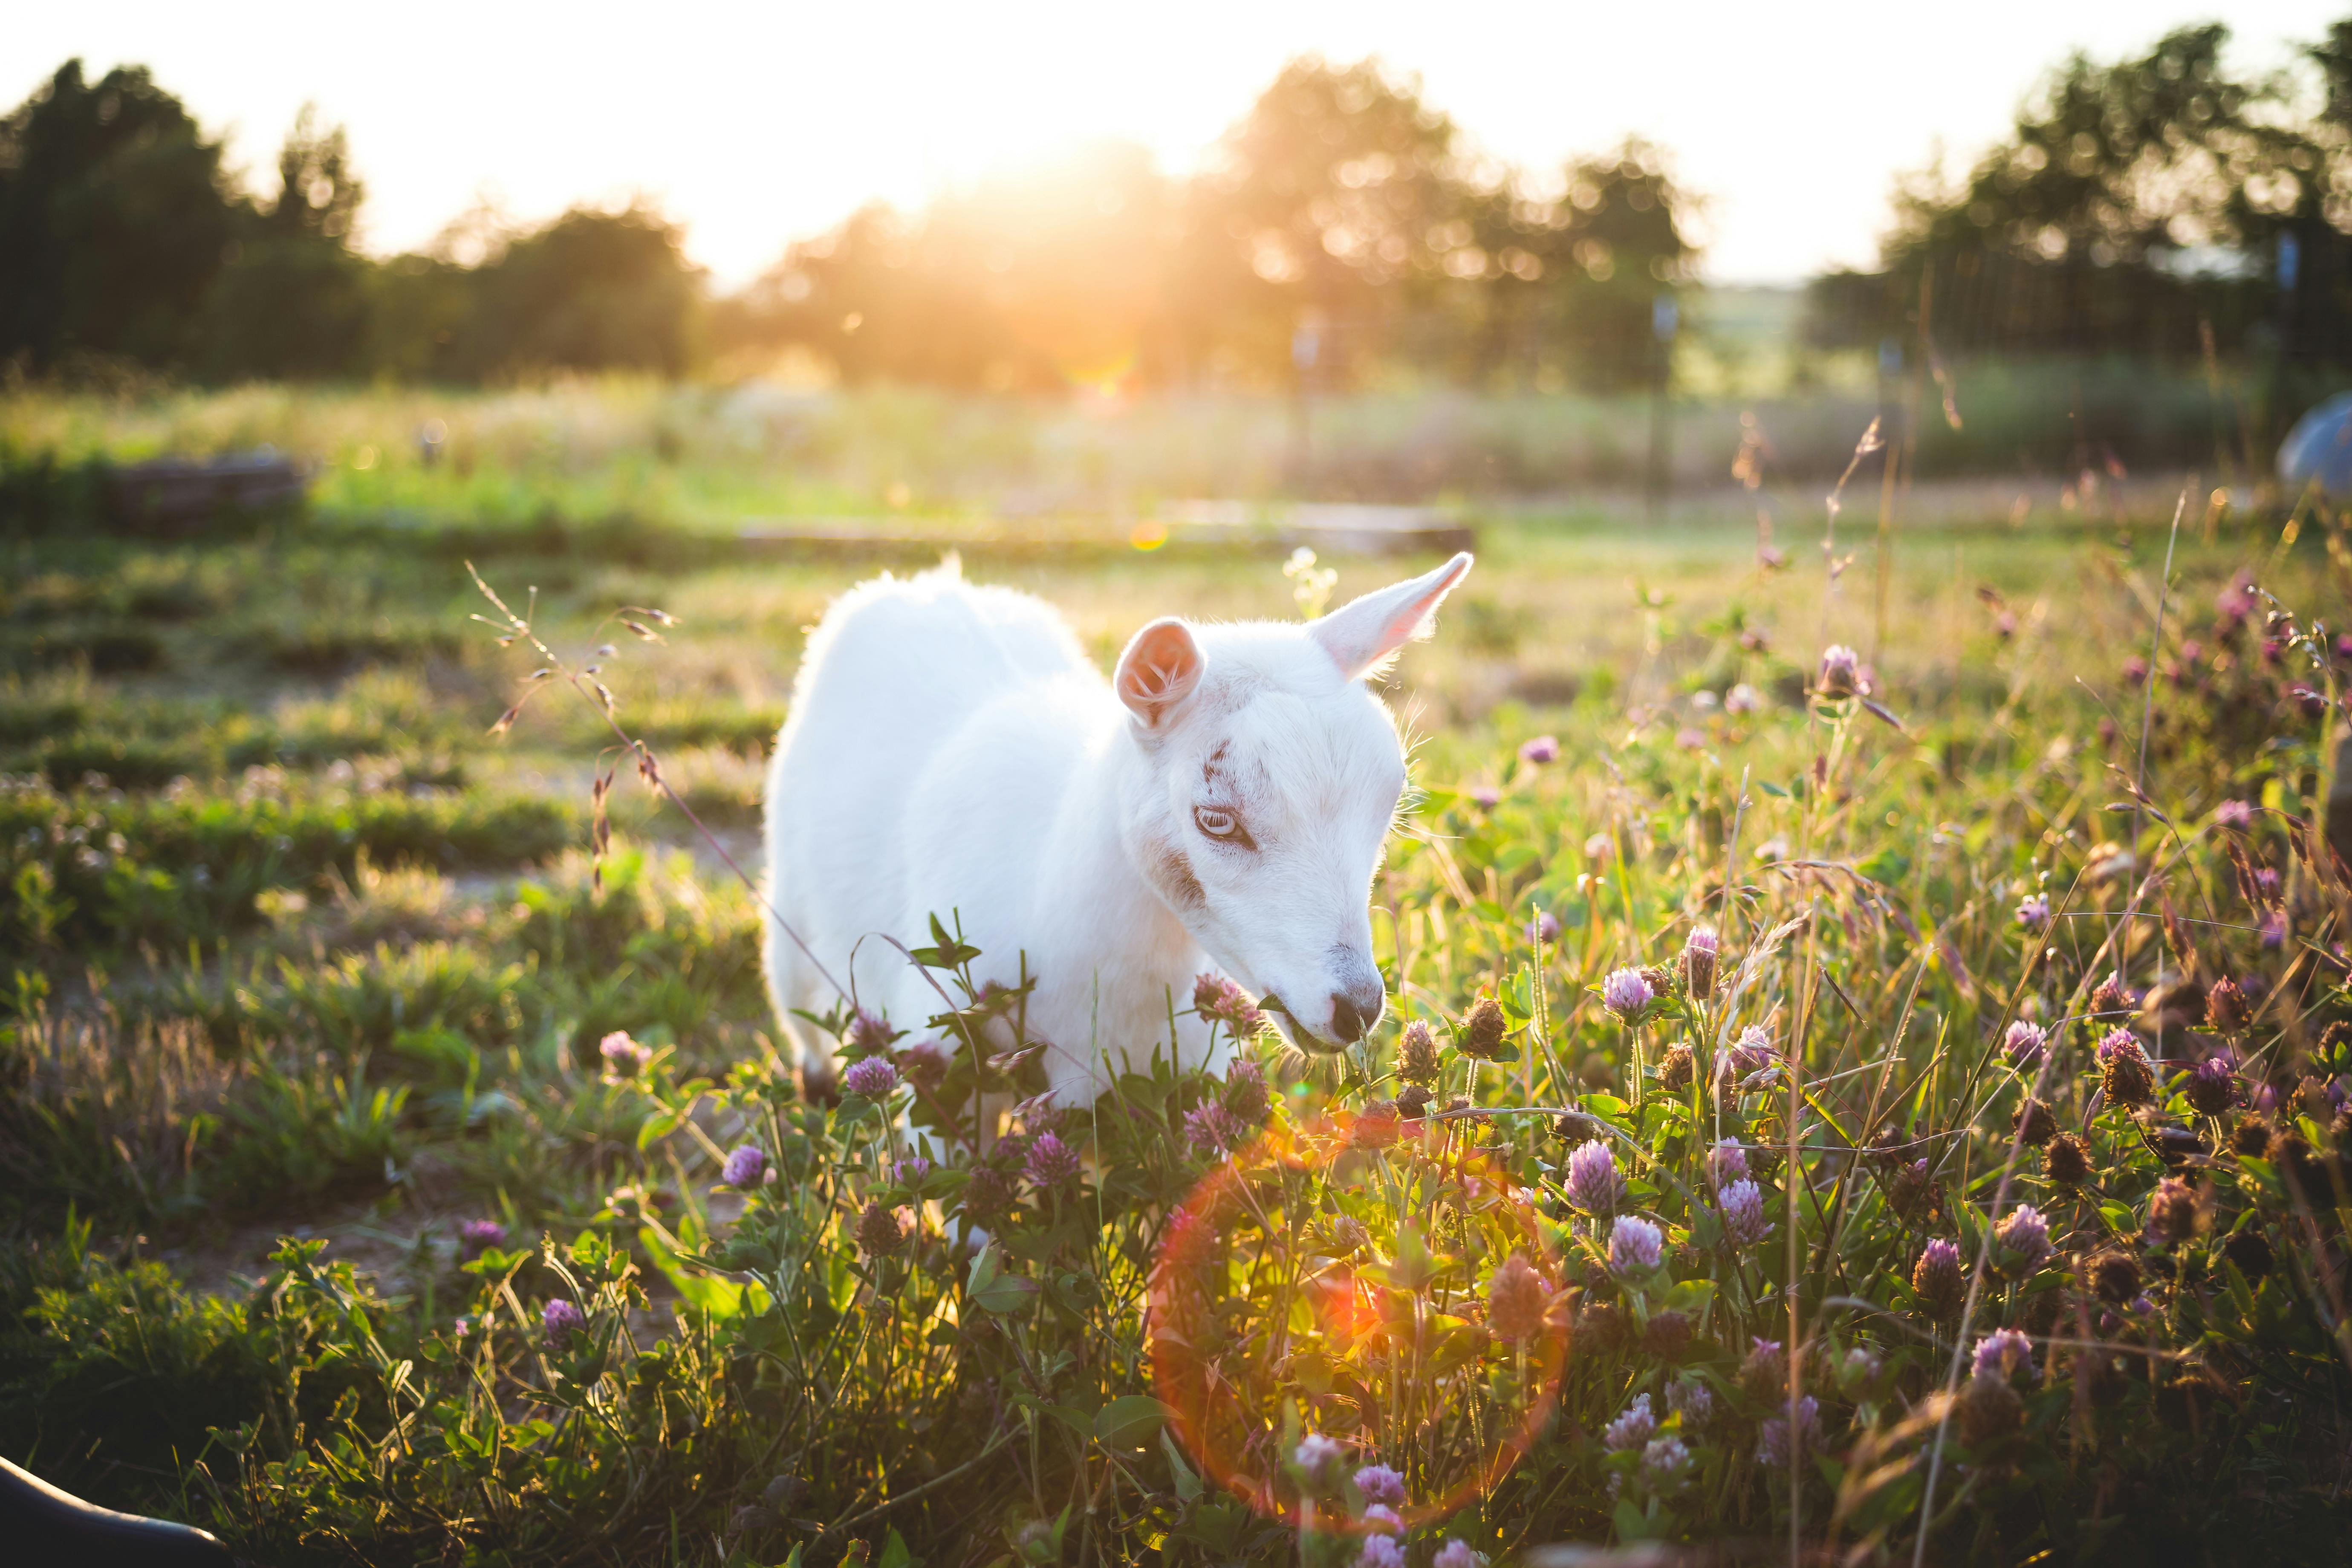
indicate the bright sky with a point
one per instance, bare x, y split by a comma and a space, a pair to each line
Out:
758, 123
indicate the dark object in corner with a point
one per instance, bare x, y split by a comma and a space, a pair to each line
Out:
41, 1526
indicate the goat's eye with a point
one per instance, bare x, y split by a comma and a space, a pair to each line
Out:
1221, 825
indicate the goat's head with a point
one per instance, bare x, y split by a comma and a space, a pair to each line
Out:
1270, 778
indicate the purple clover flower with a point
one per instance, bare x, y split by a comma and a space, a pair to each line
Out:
1772, 1443
1318, 1456
1051, 1162
2025, 1045
1214, 1130
1380, 1516
1743, 1213
1381, 1551
560, 1320
872, 1076
477, 1236
1626, 993
1633, 1244
1594, 1182
623, 1057
2034, 912
1540, 750
1544, 927
1380, 1484
1742, 699
1664, 1457
2026, 1233
1633, 1427
1728, 1162
2237, 815
1748, 1054
1456, 1553
746, 1167
912, 1168
2001, 1352
1485, 797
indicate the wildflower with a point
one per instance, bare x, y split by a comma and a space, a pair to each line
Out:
2212, 1086
1743, 1213
1664, 1457
1599, 848
2034, 912
1783, 1438
1690, 739
623, 1057
1417, 1054
1486, 797
1544, 926
477, 1236
1456, 1553
2235, 815
1676, 1070
1694, 1402
1246, 1100
1221, 1001
1936, 1277
912, 1168
1377, 1127
2251, 1136
2067, 1160
2025, 1045
1748, 1054
2001, 1352
1840, 671
558, 1320
1051, 1162
2125, 1075
1515, 1300
1764, 1375
1481, 1036
1634, 1427
1859, 1369
2111, 997
868, 1033
2032, 1123
1742, 699
1212, 1130
2115, 1275
2225, 1006
1594, 1182
1634, 1243
1412, 1101
1988, 1408
1381, 1516
925, 1065
1540, 750
2172, 1211
2027, 1234
1380, 1484
2135, 669
1914, 1187
1726, 1162
746, 1167
1700, 951
986, 1195
1348, 1234
1318, 1456
871, 1077
1381, 1551
1666, 1334
1626, 993
878, 1232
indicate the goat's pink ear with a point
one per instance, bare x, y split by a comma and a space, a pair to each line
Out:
1365, 633
1158, 669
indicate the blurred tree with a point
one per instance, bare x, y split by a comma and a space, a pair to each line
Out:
591, 290
113, 221
2113, 218
293, 300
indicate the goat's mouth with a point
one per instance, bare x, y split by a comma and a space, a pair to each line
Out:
1297, 1033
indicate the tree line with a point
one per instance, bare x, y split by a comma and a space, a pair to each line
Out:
2156, 206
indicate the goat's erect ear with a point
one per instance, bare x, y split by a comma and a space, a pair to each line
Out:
1158, 669
1364, 632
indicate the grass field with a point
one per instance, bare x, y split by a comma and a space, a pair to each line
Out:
326, 1221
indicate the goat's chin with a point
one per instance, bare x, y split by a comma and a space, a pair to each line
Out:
1303, 1040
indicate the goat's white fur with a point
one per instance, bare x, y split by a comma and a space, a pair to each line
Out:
951, 750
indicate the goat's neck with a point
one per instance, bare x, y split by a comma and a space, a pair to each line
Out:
1131, 927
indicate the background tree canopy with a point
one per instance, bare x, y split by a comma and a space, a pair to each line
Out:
2156, 206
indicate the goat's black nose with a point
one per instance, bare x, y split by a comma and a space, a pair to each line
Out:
1352, 1016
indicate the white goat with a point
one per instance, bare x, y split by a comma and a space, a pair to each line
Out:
1224, 798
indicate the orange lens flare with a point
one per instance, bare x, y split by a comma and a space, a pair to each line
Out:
1332, 1278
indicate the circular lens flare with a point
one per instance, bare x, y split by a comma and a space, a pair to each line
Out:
1334, 1281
